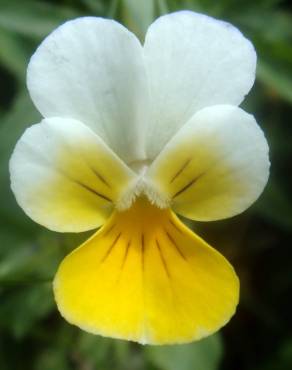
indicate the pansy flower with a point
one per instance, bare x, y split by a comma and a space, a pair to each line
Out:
131, 136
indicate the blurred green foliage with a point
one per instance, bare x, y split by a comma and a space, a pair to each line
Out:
32, 334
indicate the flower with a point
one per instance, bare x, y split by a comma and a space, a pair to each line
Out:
129, 133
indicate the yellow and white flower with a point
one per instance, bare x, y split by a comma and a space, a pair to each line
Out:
129, 134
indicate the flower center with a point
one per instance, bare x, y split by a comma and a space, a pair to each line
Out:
142, 187
142, 215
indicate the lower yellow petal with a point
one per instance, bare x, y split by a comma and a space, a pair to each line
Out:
146, 277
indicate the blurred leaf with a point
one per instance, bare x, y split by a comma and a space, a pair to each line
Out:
13, 53
280, 359
22, 115
31, 261
203, 355
258, 23
122, 353
97, 7
52, 359
275, 205
138, 15
113, 8
277, 77
20, 309
162, 7
33, 19
94, 350
273, 45
58, 354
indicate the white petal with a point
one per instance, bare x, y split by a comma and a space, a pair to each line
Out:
64, 176
215, 167
91, 69
193, 61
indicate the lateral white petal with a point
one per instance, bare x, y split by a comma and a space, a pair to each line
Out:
91, 69
215, 167
64, 176
193, 61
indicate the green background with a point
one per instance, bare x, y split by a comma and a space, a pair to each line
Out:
258, 243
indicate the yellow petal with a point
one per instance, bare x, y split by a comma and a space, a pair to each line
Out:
216, 165
146, 277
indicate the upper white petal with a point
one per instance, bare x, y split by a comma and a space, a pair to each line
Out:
193, 61
91, 69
